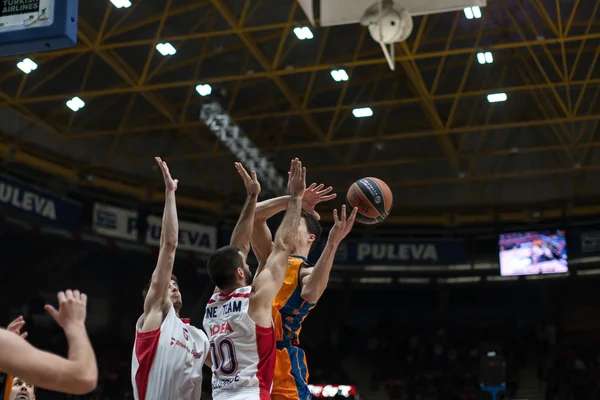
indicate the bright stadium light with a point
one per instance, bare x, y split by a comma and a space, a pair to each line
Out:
231, 135
121, 3
497, 97
204, 90
303, 33
339, 75
166, 49
362, 112
27, 65
485, 58
75, 104
472, 12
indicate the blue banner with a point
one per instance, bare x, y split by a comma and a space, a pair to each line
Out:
389, 252
402, 252
34, 202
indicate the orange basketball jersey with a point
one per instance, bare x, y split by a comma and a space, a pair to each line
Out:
289, 308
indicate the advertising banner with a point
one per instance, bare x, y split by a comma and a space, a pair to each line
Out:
115, 222
35, 202
192, 236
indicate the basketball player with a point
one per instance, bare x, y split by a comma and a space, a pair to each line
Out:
303, 287
238, 316
21, 390
78, 374
168, 353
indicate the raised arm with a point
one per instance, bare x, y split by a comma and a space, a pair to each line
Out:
315, 284
267, 284
157, 302
76, 375
262, 239
243, 229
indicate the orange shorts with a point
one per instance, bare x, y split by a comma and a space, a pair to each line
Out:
291, 375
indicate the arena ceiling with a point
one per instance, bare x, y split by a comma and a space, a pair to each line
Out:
448, 154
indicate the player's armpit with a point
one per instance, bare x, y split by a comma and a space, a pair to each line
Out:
262, 241
43, 369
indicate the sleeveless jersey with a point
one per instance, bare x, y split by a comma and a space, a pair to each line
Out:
167, 362
289, 308
242, 353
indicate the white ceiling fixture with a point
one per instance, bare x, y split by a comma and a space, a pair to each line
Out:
303, 33
485, 58
363, 112
121, 3
339, 75
497, 97
166, 49
75, 104
27, 65
204, 90
473, 12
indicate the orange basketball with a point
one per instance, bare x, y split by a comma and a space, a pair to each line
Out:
373, 198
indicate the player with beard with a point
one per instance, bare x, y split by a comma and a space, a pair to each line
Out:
21, 390
238, 316
168, 353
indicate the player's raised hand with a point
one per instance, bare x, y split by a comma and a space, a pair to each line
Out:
341, 226
170, 183
315, 194
250, 181
16, 325
296, 178
71, 309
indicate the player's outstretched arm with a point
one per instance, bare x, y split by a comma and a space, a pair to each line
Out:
242, 233
76, 375
314, 285
157, 302
267, 284
262, 239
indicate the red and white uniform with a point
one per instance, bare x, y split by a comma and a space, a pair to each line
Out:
167, 362
243, 354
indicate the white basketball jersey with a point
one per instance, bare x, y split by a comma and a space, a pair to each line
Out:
243, 354
167, 362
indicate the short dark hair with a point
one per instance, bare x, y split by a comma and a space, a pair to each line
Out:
222, 266
312, 226
147, 287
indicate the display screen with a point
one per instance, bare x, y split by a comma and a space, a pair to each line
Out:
532, 253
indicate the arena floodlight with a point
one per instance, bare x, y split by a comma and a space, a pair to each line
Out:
204, 90
166, 49
75, 104
339, 75
363, 112
303, 33
231, 135
472, 12
485, 58
27, 66
497, 97
121, 3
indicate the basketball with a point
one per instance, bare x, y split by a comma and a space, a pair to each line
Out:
372, 197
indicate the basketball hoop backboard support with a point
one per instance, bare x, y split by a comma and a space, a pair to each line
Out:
40, 25
342, 12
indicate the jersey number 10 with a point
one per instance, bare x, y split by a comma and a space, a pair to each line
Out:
223, 357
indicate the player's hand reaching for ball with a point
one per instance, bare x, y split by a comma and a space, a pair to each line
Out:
170, 183
341, 226
314, 195
296, 179
71, 309
250, 181
16, 325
